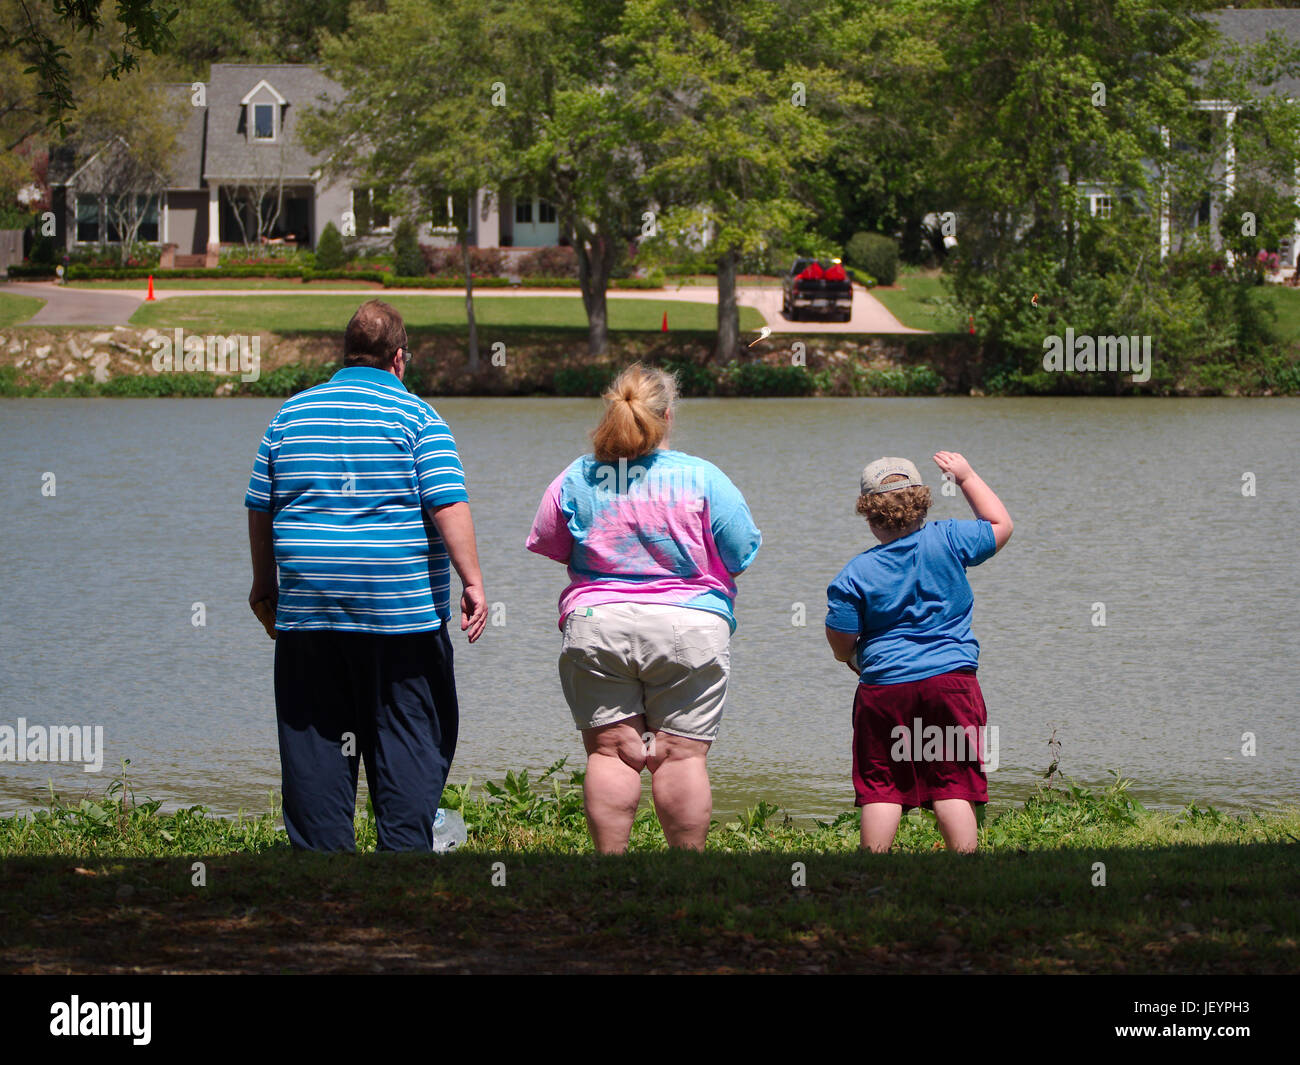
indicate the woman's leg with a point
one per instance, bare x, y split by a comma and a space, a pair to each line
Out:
957, 822
679, 782
611, 791
880, 825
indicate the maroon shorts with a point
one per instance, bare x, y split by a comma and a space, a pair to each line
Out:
919, 741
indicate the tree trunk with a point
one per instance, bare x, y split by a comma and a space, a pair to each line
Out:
728, 344
595, 261
469, 299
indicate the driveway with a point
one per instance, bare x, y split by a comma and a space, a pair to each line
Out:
869, 314
75, 306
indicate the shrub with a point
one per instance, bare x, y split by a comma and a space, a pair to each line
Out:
449, 261
408, 258
547, 262
876, 254
44, 249
377, 276
31, 270
693, 378
760, 379
583, 380
280, 254
288, 380
329, 249
390, 281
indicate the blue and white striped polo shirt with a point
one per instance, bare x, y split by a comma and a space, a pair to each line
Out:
346, 469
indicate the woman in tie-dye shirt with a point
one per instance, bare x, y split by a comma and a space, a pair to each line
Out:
653, 540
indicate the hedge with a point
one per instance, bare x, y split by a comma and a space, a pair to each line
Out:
77, 272
376, 276
38, 270
443, 282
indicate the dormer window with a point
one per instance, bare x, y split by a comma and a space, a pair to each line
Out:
263, 122
263, 110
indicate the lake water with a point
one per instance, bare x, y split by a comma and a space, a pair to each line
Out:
1131, 503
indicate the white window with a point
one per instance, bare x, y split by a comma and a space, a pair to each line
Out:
524, 211
1101, 206
545, 211
263, 122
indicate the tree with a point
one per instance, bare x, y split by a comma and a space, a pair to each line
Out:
732, 149
1053, 106
521, 98
125, 138
417, 116
256, 199
35, 30
571, 124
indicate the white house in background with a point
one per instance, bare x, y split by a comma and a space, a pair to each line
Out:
244, 141
1247, 29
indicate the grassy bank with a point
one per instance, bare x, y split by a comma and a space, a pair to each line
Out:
109, 886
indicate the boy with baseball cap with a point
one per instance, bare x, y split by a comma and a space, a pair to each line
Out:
899, 615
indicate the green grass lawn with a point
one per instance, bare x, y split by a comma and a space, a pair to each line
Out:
106, 886
329, 314
920, 302
15, 308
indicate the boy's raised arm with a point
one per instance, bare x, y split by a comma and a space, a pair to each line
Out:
984, 503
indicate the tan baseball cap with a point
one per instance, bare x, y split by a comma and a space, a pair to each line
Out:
877, 471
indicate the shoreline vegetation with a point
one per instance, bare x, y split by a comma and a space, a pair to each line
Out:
67, 362
537, 345
1075, 880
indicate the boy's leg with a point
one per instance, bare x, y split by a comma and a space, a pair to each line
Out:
611, 789
314, 707
953, 704
412, 740
957, 822
880, 825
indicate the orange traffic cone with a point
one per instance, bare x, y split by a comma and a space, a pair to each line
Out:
151, 295
664, 328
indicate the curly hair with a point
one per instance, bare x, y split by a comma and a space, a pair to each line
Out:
897, 510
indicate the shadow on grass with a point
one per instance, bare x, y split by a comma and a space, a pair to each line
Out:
1187, 909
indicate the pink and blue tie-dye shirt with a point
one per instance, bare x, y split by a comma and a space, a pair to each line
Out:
665, 528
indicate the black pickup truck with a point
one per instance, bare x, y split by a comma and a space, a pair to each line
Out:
817, 288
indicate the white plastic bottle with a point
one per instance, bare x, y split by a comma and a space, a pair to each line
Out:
448, 830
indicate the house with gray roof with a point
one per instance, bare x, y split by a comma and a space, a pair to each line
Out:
240, 175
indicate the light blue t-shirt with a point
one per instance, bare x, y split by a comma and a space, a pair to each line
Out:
910, 603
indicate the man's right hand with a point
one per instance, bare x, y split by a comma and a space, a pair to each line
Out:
473, 611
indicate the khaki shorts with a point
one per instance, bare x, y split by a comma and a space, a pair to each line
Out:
669, 663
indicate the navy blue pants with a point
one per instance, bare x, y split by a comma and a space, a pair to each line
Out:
396, 696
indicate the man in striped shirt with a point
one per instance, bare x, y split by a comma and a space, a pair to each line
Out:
358, 499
